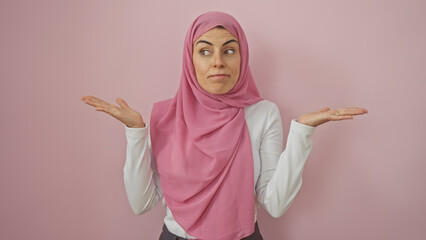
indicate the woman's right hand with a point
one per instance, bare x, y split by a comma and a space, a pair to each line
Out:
124, 113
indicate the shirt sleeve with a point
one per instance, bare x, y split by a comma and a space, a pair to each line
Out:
281, 171
140, 174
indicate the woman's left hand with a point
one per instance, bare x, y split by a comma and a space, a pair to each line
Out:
326, 114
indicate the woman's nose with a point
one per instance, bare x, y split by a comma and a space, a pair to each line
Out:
218, 61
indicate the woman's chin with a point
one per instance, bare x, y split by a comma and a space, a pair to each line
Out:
217, 90
217, 87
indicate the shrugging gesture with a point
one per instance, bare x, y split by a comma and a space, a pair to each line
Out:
201, 141
124, 113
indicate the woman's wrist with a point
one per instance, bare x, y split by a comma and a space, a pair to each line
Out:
304, 122
137, 125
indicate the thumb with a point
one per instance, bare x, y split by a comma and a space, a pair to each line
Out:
122, 103
324, 109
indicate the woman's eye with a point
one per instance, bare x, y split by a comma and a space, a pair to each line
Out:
229, 51
204, 52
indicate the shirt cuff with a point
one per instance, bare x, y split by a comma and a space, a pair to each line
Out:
302, 128
132, 133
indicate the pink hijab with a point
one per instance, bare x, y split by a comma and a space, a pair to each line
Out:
202, 146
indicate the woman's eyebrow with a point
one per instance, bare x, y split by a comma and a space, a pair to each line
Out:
209, 43
232, 40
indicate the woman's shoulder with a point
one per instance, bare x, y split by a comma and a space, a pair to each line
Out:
261, 113
261, 108
261, 117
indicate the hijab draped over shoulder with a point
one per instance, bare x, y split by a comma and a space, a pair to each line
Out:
202, 146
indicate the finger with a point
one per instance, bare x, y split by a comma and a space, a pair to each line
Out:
89, 97
362, 109
111, 110
351, 111
325, 109
96, 102
338, 118
86, 97
99, 109
122, 103
90, 102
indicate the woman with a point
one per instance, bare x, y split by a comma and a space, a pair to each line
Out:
213, 153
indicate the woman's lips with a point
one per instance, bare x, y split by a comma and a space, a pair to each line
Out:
218, 77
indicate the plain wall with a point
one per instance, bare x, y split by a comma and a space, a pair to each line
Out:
61, 168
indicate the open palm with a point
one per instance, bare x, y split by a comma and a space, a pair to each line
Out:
123, 113
326, 114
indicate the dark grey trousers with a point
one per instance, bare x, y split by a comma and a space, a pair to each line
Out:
166, 235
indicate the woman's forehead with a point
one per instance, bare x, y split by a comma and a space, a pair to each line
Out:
216, 34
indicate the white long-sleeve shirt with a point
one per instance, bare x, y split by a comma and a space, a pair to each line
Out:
277, 173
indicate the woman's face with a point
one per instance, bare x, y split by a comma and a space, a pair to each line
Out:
216, 59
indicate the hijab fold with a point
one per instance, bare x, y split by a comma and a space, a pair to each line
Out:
202, 146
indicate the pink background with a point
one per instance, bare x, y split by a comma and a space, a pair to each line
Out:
61, 162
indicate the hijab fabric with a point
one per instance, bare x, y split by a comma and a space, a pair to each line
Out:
202, 146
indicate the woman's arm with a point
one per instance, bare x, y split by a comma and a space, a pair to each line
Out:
281, 171
140, 176
141, 181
